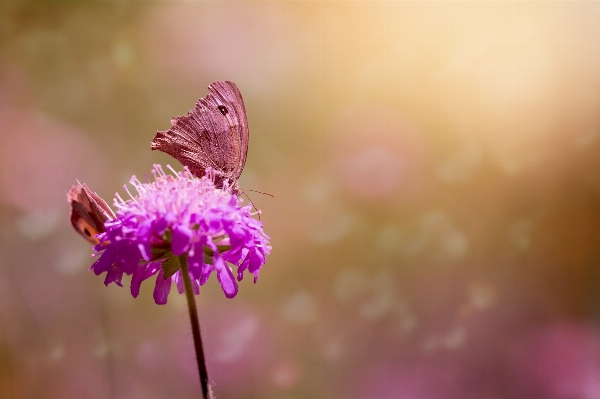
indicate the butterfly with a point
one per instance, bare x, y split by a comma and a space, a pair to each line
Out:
88, 212
214, 134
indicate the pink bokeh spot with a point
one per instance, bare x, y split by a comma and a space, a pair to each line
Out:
558, 361
237, 347
40, 156
419, 380
285, 374
377, 155
193, 40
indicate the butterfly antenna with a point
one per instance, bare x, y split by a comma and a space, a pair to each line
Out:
260, 192
253, 206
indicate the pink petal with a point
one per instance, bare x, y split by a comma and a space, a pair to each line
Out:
180, 243
225, 277
162, 288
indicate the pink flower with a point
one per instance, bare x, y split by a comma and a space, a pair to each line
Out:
176, 218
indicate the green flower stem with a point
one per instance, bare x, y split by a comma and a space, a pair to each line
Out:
191, 300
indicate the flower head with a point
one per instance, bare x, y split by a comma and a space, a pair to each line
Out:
180, 218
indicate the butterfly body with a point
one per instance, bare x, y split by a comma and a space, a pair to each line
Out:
214, 134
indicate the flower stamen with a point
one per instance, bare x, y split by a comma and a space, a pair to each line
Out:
173, 170
127, 189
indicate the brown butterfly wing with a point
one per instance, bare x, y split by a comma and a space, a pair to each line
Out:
88, 212
213, 134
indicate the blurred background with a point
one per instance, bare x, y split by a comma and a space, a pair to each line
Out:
436, 220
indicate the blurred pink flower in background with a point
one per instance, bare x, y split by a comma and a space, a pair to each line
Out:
413, 380
193, 41
558, 361
238, 348
38, 156
378, 156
